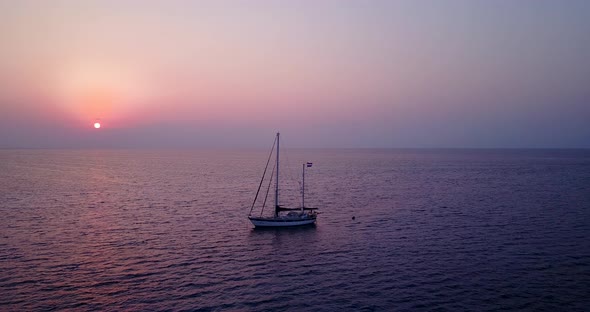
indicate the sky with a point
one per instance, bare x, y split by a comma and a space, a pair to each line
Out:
175, 74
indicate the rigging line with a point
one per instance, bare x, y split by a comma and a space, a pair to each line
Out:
267, 190
291, 180
263, 174
300, 192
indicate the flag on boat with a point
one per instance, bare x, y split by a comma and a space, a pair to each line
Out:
309, 164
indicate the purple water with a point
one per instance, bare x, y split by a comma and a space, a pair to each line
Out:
167, 230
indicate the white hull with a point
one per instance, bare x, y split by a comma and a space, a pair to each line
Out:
280, 222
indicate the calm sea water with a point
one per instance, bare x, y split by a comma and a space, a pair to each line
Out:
167, 230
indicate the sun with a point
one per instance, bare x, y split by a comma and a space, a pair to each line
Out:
97, 125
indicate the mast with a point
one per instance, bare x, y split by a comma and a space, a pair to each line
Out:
277, 181
303, 190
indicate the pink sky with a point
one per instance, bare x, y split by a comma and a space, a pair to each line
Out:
328, 73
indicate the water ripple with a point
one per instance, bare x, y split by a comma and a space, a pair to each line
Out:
162, 230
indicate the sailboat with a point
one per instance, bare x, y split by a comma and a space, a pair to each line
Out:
282, 216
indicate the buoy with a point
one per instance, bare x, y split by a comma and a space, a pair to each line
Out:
353, 217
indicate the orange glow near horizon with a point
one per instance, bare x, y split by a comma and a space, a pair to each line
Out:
92, 89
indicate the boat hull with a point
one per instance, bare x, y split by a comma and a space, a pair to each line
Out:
281, 222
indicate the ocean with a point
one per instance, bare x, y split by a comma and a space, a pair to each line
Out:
433, 229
